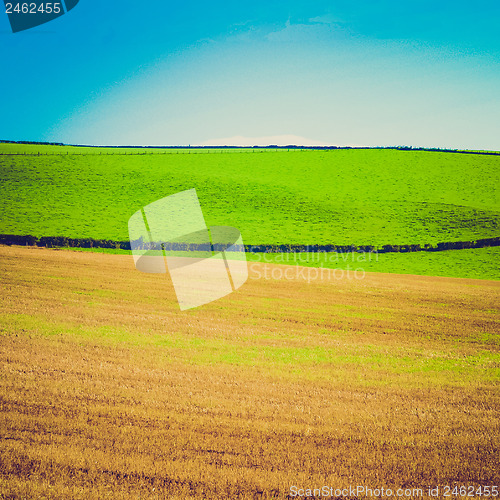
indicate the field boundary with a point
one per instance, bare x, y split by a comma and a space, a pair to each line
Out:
65, 242
163, 150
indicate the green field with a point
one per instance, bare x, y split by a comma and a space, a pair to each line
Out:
299, 197
360, 197
474, 263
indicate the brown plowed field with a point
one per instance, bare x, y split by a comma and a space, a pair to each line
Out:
108, 390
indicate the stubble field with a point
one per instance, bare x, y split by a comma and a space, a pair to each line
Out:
107, 390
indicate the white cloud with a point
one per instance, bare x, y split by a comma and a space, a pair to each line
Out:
299, 32
317, 28
278, 140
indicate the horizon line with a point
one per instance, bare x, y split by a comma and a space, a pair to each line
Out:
269, 146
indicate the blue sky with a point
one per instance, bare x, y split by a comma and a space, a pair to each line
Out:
358, 72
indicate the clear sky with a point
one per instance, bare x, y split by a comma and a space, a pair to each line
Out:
355, 72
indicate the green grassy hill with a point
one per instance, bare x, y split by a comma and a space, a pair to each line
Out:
299, 197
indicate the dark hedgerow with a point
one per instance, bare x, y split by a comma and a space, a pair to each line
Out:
63, 241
